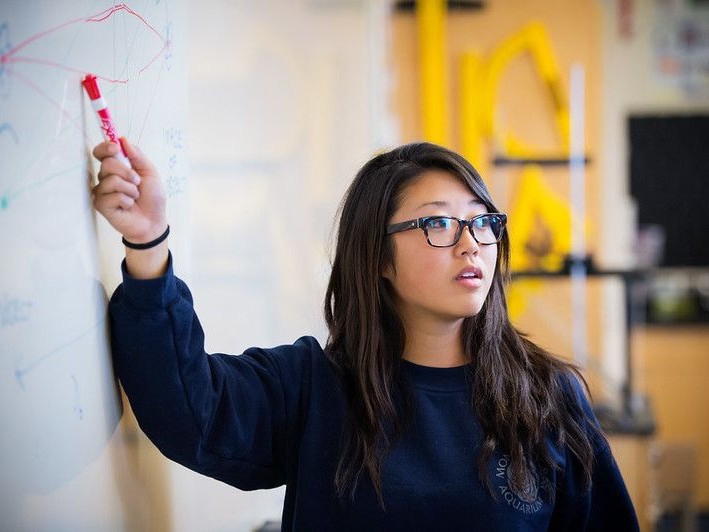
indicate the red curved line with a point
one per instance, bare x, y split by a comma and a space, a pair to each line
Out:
22, 59
99, 17
124, 7
39, 35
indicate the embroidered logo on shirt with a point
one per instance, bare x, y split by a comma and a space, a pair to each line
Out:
529, 500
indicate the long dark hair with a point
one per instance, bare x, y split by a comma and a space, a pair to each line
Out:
520, 392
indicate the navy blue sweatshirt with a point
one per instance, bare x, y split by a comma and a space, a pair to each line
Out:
270, 417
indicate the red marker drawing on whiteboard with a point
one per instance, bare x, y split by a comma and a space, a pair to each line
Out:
104, 116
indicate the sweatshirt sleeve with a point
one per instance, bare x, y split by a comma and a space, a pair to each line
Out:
607, 504
233, 418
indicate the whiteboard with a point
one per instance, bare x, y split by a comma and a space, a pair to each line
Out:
64, 460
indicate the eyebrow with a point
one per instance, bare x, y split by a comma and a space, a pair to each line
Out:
472, 202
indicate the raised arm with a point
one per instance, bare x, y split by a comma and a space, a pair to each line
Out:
221, 415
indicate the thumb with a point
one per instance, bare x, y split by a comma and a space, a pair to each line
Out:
139, 162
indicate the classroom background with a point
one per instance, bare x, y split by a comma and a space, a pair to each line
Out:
588, 119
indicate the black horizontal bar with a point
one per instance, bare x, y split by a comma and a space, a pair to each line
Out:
541, 161
460, 4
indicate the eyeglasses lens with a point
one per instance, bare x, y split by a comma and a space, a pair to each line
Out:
443, 231
486, 229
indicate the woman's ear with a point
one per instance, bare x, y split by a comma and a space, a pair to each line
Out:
388, 272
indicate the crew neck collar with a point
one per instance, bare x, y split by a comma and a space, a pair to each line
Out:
439, 379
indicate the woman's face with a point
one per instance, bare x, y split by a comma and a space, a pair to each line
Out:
439, 284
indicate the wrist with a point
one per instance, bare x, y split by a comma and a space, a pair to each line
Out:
145, 231
147, 244
148, 263
147, 255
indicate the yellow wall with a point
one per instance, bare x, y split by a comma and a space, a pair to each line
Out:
525, 105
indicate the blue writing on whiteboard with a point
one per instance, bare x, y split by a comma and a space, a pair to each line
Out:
14, 310
22, 370
5, 47
9, 131
77, 406
176, 179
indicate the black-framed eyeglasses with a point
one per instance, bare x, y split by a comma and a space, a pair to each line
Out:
445, 231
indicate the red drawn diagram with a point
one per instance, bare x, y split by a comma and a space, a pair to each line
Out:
119, 45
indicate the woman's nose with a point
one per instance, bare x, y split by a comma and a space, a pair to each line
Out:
467, 241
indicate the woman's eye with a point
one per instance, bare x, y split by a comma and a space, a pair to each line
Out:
440, 224
482, 222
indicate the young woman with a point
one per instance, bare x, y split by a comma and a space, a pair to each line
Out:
425, 410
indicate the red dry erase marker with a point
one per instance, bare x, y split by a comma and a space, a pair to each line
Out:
104, 116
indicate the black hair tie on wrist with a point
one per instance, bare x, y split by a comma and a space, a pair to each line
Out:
150, 244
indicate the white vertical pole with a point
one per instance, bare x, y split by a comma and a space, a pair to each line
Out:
577, 185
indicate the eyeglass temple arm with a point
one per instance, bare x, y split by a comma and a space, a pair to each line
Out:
403, 226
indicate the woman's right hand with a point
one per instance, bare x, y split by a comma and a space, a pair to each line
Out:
132, 200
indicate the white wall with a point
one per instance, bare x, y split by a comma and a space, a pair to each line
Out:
287, 100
